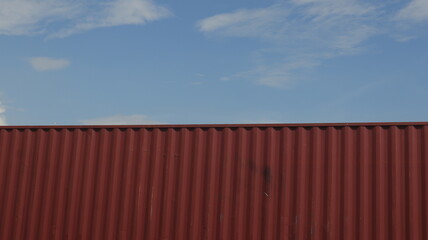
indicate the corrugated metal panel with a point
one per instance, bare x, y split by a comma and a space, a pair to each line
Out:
328, 181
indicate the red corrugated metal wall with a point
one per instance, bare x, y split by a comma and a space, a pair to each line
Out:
215, 182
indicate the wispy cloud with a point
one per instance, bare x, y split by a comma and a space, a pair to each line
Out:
309, 23
121, 120
47, 64
281, 74
61, 18
116, 13
416, 10
245, 23
299, 34
2, 115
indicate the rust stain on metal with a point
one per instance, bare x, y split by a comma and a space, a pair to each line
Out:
272, 181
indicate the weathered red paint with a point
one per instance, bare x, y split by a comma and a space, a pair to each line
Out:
267, 181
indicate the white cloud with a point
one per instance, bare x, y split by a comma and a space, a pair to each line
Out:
46, 64
416, 10
60, 18
121, 120
243, 22
116, 13
2, 115
26, 17
299, 34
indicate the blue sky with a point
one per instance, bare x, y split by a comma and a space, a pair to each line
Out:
253, 61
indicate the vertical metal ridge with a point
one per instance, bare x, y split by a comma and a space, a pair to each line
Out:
61, 186
50, 171
218, 214
414, 185
281, 186
333, 185
79, 178
117, 159
178, 158
295, 183
183, 184
224, 219
109, 202
374, 178
36, 201
193, 168
287, 231
380, 188
349, 185
205, 189
271, 184
169, 189
265, 173
214, 185
207, 175
198, 177
5, 143
142, 173
15, 183
236, 179
23, 188
123, 226
12, 173
242, 184
310, 173
366, 185
406, 153
341, 176
256, 189
398, 208
88, 185
100, 184
161, 188
156, 184
68, 184
318, 231
424, 185
74, 184
389, 182
302, 198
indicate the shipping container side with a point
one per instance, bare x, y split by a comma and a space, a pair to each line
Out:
321, 182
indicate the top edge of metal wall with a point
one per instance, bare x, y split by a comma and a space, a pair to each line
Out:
257, 125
